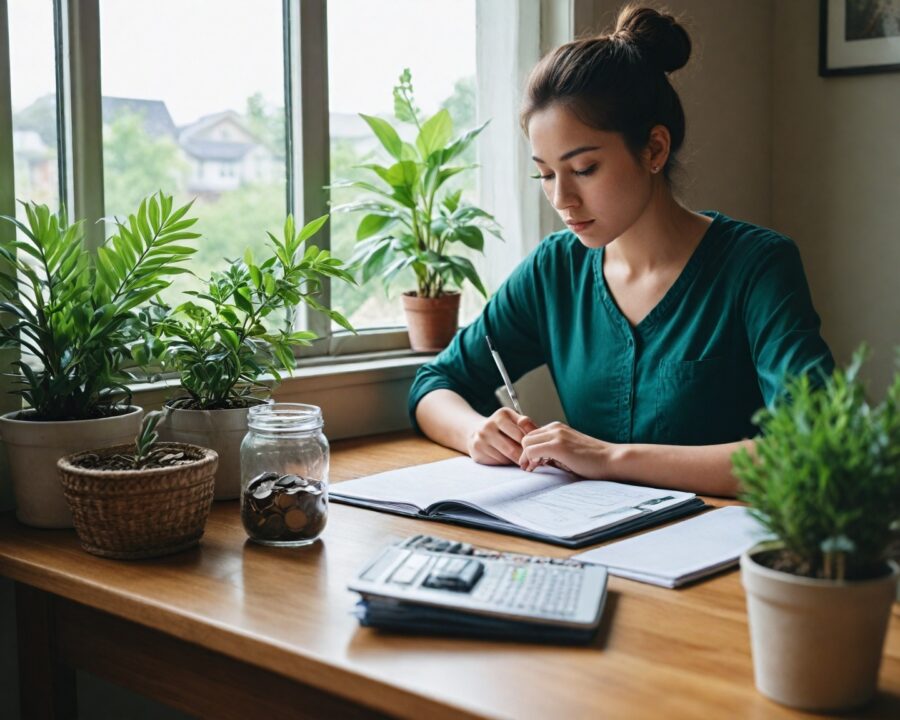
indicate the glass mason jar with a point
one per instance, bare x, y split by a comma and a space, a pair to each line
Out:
284, 474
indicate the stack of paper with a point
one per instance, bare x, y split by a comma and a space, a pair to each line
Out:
682, 552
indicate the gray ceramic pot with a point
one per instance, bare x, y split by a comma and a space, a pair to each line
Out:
219, 430
817, 644
33, 447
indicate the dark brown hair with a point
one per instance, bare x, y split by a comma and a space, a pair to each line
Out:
618, 82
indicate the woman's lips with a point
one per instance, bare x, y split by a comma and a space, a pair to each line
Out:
578, 226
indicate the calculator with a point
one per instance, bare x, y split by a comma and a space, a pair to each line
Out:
431, 572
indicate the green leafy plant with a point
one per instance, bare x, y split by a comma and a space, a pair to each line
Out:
411, 220
76, 312
147, 437
825, 475
241, 325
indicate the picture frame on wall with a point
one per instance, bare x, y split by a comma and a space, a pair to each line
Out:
859, 37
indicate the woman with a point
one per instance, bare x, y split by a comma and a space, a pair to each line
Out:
664, 329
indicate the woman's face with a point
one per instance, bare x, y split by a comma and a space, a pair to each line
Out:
589, 176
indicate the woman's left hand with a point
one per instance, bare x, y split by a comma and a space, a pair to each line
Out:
558, 444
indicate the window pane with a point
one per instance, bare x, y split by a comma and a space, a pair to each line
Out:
369, 45
193, 104
33, 85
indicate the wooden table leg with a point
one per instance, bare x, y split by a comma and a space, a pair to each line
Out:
46, 685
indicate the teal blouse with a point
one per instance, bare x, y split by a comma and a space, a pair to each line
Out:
715, 349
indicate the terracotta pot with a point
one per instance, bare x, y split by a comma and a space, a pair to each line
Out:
431, 322
219, 430
33, 447
131, 514
817, 644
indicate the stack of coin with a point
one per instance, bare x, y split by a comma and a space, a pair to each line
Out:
284, 508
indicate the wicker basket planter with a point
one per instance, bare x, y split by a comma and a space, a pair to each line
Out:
130, 514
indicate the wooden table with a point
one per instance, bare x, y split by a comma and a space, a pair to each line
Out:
233, 629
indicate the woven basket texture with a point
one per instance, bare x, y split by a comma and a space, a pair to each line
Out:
131, 514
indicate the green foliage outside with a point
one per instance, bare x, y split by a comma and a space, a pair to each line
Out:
237, 220
409, 221
221, 342
136, 164
77, 312
461, 106
267, 125
825, 475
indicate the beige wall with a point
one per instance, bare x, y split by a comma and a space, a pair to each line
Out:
836, 188
726, 92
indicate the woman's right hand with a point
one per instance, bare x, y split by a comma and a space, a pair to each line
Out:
498, 439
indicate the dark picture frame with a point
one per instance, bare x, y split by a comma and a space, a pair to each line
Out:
853, 39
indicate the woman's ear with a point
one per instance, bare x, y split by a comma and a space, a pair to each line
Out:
656, 152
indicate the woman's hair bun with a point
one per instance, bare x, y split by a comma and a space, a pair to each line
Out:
660, 38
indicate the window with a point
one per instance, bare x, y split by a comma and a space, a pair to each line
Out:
436, 41
231, 103
185, 127
33, 90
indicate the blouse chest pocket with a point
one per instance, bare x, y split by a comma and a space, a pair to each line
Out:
694, 400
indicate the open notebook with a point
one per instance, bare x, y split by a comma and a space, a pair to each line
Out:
548, 504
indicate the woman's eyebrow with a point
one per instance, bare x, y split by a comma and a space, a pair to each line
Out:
571, 153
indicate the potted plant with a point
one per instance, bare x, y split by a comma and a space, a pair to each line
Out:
142, 499
412, 221
74, 316
824, 479
239, 327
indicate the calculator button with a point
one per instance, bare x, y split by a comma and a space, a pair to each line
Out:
407, 572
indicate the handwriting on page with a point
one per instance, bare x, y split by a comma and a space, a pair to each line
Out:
575, 504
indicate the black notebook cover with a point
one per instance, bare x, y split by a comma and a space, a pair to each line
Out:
488, 522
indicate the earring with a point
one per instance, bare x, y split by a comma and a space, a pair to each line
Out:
654, 169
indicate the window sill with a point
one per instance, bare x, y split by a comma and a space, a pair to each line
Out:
359, 395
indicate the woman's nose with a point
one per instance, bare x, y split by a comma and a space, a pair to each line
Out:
563, 195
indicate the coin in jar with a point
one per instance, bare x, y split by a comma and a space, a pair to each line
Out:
295, 519
260, 479
273, 527
284, 501
262, 495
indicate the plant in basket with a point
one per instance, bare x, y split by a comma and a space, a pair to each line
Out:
824, 480
140, 500
75, 318
413, 221
239, 327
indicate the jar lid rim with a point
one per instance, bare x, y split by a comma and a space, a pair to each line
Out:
285, 417
285, 408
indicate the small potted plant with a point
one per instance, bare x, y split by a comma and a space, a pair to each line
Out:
140, 500
74, 317
238, 328
824, 479
412, 221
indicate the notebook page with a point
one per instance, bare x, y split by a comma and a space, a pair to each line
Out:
683, 550
567, 508
455, 479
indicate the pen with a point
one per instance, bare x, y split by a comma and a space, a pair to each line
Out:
506, 381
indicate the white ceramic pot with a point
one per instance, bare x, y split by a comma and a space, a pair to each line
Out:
33, 447
817, 644
219, 430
